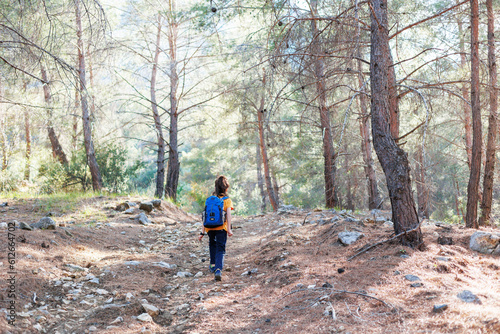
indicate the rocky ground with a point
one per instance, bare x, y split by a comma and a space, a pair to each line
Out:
112, 266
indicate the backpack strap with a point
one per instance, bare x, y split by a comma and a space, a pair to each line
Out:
224, 198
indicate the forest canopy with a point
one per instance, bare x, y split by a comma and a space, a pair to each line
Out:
161, 97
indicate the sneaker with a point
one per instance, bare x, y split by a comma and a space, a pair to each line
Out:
218, 275
212, 268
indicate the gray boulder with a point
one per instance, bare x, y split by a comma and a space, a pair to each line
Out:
24, 226
468, 297
143, 219
146, 206
156, 203
122, 206
484, 242
348, 238
46, 223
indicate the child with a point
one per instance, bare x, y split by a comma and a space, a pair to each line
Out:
218, 235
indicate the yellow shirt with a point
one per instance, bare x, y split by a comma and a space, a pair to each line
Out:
227, 204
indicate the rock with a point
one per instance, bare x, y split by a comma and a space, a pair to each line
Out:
439, 308
129, 211
146, 206
151, 310
101, 292
327, 285
46, 223
348, 238
184, 274
122, 206
484, 242
92, 328
3, 226
117, 320
469, 297
4, 204
340, 270
143, 219
442, 258
24, 226
445, 240
156, 203
145, 318
412, 278
198, 274
416, 285
129, 296
74, 268
389, 224
164, 265
38, 327
286, 209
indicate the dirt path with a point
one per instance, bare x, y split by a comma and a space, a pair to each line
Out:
285, 273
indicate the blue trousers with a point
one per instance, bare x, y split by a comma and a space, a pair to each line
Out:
217, 243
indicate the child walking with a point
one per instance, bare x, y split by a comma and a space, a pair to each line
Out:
218, 235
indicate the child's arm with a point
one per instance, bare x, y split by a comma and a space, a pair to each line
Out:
203, 232
228, 215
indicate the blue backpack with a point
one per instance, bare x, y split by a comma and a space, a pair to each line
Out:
213, 215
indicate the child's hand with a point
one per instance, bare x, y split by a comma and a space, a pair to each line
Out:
230, 233
200, 237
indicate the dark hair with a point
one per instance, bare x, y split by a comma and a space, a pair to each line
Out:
221, 186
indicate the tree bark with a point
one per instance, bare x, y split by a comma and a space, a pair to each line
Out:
87, 132
489, 169
57, 150
329, 155
475, 170
160, 163
393, 159
465, 96
3, 144
260, 179
422, 186
263, 147
173, 155
74, 136
374, 200
27, 135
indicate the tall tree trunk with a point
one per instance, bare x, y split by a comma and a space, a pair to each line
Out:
173, 154
263, 147
422, 186
465, 96
374, 200
329, 155
74, 135
57, 149
27, 135
91, 87
475, 170
350, 204
393, 159
87, 132
3, 143
260, 179
489, 169
160, 163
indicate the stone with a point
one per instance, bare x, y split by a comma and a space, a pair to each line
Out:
184, 274
92, 328
74, 267
122, 206
146, 206
416, 285
412, 278
117, 320
439, 308
469, 297
129, 296
129, 211
485, 242
3, 226
38, 327
198, 274
24, 226
443, 258
151, 309
145, 318
46, 223
143, 219
101, 292
348, 238
327, 285
162, 264
156, 203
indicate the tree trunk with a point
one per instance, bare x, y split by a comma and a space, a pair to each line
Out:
489, 169
57, 150
422, 186
160, 163
393, 159
263, 147
173, 155
3, 144
87, 132
27, 135
260, 179
465, 96
374, 200
329, 155
74, 136
348, 175
475, 170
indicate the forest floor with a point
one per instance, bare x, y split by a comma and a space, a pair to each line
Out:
284, 272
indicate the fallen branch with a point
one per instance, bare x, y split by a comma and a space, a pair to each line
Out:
384, 241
